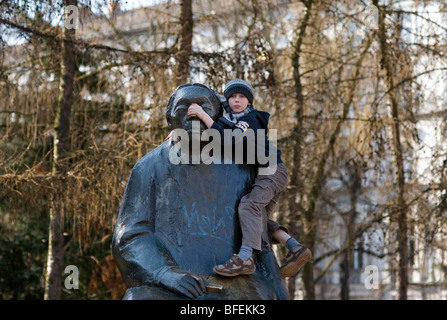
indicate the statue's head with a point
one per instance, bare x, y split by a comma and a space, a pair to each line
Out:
183, 97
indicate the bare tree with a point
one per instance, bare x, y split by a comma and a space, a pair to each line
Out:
296, 184
347, 101
401, 207
55, 260
183, 56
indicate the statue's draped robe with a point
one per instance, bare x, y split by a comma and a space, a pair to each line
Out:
185, 216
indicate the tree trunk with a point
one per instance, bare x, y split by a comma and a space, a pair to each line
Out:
295, 184
402, 227
184, 55
55, 258
309, 221
354, 187
345, 273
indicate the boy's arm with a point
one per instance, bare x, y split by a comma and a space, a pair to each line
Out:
196, 110
238, 131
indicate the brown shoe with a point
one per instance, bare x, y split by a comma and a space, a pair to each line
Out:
295, 260
235, 267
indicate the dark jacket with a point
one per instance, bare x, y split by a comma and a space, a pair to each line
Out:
258, 150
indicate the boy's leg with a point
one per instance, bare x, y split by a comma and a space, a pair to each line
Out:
298, 254
250, 219
250, 214
280, 236
276, 237
295, 259
265, 193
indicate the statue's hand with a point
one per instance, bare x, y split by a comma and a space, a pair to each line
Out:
180, 282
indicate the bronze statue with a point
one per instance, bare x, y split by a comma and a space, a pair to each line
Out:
178, 220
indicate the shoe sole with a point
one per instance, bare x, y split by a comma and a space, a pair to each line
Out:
292, 268
231, 275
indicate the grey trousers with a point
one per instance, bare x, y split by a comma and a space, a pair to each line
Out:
265, 193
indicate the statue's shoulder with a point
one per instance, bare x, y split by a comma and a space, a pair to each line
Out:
156, 159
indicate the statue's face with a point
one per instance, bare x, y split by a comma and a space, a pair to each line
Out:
184, 97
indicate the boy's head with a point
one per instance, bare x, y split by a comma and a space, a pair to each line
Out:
239, 86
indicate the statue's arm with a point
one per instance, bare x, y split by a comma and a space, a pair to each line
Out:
141, 258
135, 247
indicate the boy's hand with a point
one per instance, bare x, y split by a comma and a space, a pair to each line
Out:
196, 110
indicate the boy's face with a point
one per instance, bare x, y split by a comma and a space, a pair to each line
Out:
238, 102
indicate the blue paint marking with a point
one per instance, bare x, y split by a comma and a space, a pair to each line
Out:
211, 224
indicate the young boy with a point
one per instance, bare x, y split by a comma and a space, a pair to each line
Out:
266, 190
